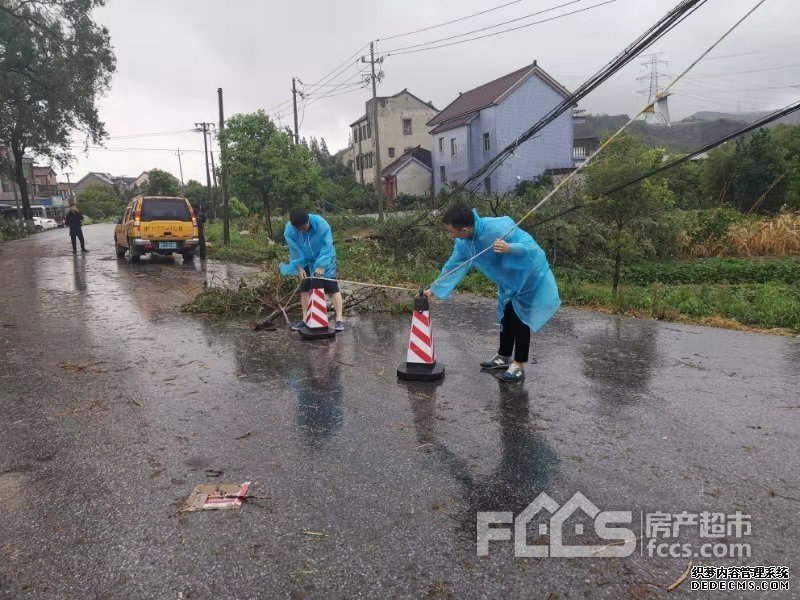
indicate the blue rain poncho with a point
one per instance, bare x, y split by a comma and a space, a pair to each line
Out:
523, 276
313, 247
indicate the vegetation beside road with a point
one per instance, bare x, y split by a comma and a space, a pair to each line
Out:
714, 243
740, 293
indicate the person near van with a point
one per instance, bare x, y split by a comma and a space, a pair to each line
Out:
73, 220
311, 253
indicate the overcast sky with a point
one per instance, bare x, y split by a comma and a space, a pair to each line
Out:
172, 55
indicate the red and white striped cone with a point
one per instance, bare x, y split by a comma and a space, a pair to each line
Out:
316, 317
421, 362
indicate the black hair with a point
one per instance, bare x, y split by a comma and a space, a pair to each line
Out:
459, 215
298, 217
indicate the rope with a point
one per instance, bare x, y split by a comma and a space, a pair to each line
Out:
602, 146
365, 284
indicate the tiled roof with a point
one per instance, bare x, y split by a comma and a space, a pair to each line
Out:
455, 122
419, 153
359, 119
463, 108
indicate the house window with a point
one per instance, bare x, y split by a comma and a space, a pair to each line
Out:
453, 150
406, 126
391, 152
486, 142
369, 160
579, 152
442, 175
441, 144
369, 130
355, 135
487, 185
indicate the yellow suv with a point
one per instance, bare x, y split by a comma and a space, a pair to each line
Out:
158, 224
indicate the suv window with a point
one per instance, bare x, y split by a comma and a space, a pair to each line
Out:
165, 209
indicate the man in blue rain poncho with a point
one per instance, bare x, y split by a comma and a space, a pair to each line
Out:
527, 295
311, 253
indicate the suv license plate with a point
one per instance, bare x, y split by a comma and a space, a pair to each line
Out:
168, 245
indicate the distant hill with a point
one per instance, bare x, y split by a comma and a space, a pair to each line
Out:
747, 117
682, 136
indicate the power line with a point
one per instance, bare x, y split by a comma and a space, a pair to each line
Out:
758, 123
483, 12
346, 83
663, 26
594, 155
345, 63
756, 89
656, 32
452, 37
731, 74
150, 134
314, 101
487, 35
81, 146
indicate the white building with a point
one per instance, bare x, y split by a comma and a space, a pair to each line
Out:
474, 127
402, 120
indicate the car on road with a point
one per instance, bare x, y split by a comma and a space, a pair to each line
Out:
158, 225
42, 224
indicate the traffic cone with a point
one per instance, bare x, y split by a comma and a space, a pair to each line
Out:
316, 317
420, 362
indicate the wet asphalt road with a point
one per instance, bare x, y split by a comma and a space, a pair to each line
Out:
113, 405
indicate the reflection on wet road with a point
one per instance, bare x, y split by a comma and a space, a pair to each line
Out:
114, 405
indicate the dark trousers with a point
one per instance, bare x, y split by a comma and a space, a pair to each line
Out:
79, 235
515, 337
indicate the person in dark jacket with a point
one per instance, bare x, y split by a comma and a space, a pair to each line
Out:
73, 220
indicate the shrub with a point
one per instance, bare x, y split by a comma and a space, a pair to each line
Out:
12, 230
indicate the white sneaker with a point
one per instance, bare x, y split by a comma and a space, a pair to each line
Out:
498, 362
514, 373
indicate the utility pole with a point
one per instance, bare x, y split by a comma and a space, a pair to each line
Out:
226, 222
69, 187
377, 144
213, 168
294, 101
203, 127
213, 181
653, 64
180, 164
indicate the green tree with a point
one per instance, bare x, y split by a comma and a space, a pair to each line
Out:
340, 190
716, 177
99, 202
787, 138
161, 183
636, 213
760, 170
265, 168
196, 192
238, 210
684, 182
55, 62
